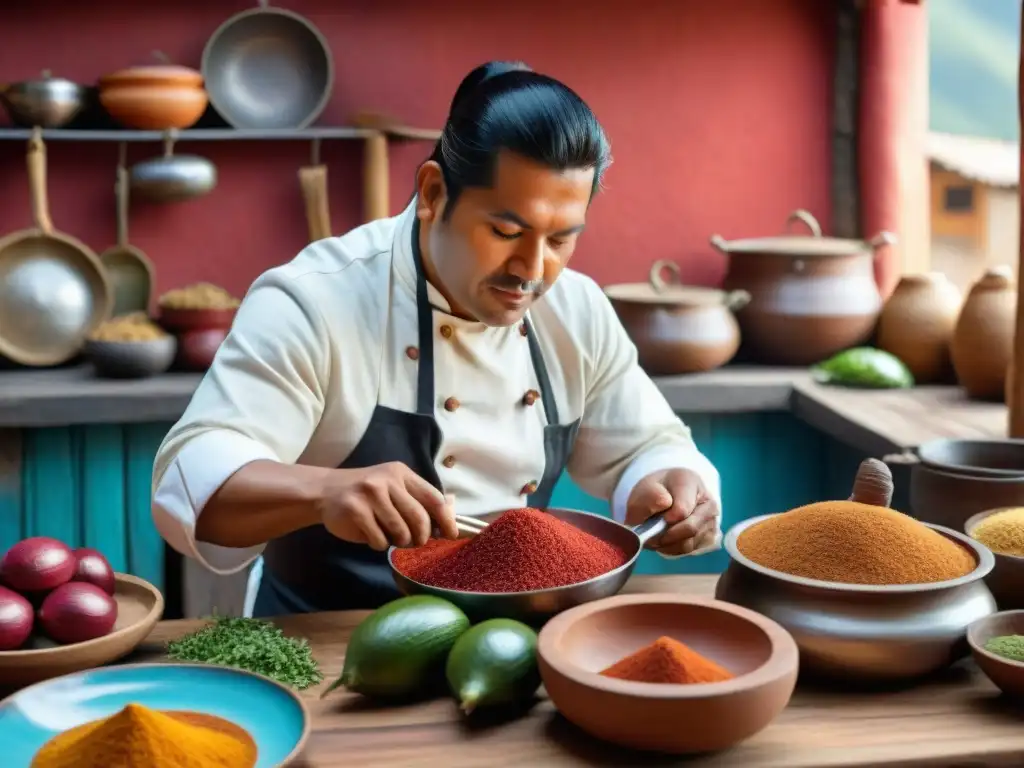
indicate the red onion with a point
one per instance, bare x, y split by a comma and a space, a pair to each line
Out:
94, 568
38, 564
15, 620
76, 612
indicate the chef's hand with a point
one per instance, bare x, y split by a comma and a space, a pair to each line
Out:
384, 505
692, 514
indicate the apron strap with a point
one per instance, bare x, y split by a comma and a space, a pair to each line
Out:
540, 369
425, 319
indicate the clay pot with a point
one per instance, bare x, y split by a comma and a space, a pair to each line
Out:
678, 329
949, 499
154, 98
196, 349
982, 345
917, 325
811, 296
1006, 581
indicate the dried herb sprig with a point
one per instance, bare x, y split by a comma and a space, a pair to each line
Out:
253, 645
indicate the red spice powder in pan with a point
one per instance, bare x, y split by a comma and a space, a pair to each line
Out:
523, 550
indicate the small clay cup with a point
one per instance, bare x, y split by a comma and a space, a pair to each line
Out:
1006, 580
1008, 675
576, 645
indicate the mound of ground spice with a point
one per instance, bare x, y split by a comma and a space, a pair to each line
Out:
668, 661
1003, 532
523, 550
853, 543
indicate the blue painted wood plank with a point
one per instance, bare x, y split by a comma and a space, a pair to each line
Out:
12, 528
793, 463
145, 547
51, 469
104, 512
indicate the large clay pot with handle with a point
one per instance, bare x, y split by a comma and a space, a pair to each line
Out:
917, 325
678, 328
811, 296
982, 345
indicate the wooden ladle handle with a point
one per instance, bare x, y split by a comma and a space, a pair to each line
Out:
873, 484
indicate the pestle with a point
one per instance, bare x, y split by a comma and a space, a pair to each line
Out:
873, 484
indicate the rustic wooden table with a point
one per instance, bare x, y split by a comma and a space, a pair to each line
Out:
956, 720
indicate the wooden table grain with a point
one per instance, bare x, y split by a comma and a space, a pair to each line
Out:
955, 721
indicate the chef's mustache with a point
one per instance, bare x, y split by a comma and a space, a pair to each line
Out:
508, 282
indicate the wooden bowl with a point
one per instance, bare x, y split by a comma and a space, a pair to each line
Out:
1006, 580
139, 607
1008, 675
576, 645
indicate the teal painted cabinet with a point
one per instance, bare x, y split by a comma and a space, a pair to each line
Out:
90, 486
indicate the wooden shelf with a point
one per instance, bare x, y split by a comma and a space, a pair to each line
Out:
224, 134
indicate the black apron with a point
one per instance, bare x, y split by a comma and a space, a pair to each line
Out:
310, 570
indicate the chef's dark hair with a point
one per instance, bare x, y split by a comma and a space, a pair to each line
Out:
506, 105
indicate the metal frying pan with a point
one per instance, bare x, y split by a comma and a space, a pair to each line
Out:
53, 289
538, 606
313, 180
130, 271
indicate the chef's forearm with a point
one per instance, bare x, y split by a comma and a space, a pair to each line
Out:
262, 501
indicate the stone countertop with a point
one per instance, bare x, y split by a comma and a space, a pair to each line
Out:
876, 422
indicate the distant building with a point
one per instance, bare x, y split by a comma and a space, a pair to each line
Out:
975, 208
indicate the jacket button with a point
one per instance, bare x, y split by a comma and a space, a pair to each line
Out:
412, 353
446, 331
531, 397
451, 404
449, 461
527, 489
523, 330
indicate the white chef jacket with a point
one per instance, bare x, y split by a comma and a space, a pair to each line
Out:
319, 342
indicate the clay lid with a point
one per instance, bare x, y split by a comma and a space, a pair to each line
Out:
659, 291
164, 73
812, 246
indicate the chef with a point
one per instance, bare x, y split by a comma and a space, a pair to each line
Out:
441, 359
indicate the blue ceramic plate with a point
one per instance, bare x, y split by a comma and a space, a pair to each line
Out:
272, 714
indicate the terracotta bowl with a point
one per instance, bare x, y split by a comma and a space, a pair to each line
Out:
196, 319
576, 645
1008, 675
1006, 580
139, 607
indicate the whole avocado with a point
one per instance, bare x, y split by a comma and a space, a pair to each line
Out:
399, 650
494, 664
865, 367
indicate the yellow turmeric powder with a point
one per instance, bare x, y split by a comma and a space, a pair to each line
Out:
854, 543
1003, 532
138, 737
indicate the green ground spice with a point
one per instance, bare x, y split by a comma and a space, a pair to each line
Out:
253, 645
1008, 646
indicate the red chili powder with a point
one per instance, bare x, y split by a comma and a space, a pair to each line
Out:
667, 661
523, 550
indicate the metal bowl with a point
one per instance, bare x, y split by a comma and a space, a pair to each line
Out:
172, 179
49, 102
131, 359
268, 68
538, 606
860, 632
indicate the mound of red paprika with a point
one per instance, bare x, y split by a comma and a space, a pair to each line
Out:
667, 661
521, 551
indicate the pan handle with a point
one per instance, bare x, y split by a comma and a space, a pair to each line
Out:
651, 528
36, 161
121, 194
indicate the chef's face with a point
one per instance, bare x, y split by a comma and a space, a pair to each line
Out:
501, 247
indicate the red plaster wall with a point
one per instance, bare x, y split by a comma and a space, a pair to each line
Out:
718, 114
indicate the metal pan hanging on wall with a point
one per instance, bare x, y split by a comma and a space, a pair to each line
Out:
172, 178
53, 289
268, 68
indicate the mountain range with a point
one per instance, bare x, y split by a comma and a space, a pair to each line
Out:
973, 59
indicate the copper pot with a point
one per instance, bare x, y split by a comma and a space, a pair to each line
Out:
677, 328
811, 296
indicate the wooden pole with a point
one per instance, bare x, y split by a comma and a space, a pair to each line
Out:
1016, 388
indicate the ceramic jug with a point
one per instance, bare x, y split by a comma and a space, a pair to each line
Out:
982, 344
917, 325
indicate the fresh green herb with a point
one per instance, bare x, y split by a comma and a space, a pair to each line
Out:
1008, 646
250, 644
